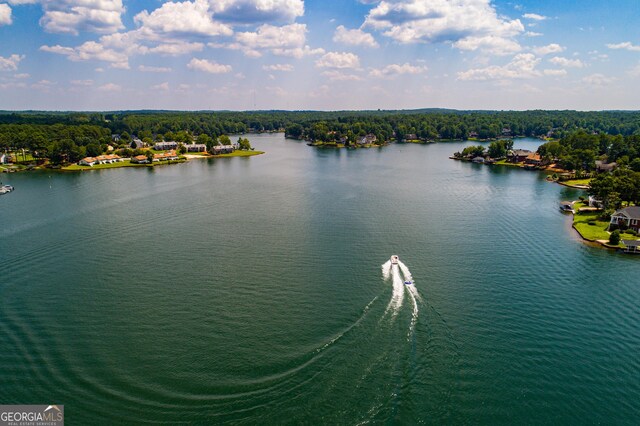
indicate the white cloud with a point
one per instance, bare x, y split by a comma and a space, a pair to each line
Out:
145, 68
207, 66
355, 37
338, 60
84, 83
336, 75
397, 69
533, 34
175, 49
469, 24
550, 48
492, 44
627, 45
555, 73
73, 16
10, 63
91, 50
278, 67
110, 87
567, 63
534, 17
521, 66
286, 40
162, 86
598, 80
22, 75
184, 18
5, 14
257, 11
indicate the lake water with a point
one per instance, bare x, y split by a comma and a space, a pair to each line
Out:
251, 290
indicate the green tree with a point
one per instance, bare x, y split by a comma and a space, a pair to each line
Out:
614, 238
224, 140
93, 149
244, 144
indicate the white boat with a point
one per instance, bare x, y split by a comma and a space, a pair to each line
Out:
394, 259
5, 189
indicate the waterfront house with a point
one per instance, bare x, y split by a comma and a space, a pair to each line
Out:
223, 149
165, 156
140, 159
368, 139
517, 155
628, 217
533, 159
87, 161
5, 158
196, 147
108, 159
601, 166
163, 146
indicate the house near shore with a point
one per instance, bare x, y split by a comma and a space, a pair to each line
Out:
222, 149
195, 147
368, 139
601, 166
140, 159
5, 158
166, 156
518, 155
164, 146
533, 159
100, 159
136, 143
626, 218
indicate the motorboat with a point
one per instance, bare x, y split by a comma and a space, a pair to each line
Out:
5, 189
394, 259
408, 282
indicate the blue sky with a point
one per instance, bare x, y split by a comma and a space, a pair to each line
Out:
326, 55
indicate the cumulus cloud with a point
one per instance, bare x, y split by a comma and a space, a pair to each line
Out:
336, 75
468, 24
533, 34
110, 87
555, 73
534, 17
338, 60
566, 62
397, 69
257, 11
91, 50
10, 63
286, 40
145, 68
598, 80
207, 66
355, 37
522, 65
278, 67
627, 45
83, 83
550, 48
73, 16
5, 14
184, 18
162, 86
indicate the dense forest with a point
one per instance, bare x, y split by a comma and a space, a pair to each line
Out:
61, 136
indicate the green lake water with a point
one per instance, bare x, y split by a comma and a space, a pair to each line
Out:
251, 290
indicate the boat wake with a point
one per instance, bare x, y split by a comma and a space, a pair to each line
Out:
402, 281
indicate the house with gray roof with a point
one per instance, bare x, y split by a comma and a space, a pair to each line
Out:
628, 217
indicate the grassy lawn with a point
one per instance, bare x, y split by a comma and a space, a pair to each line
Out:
504, 162
592, 229
575, 182
125, 163
239, 154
